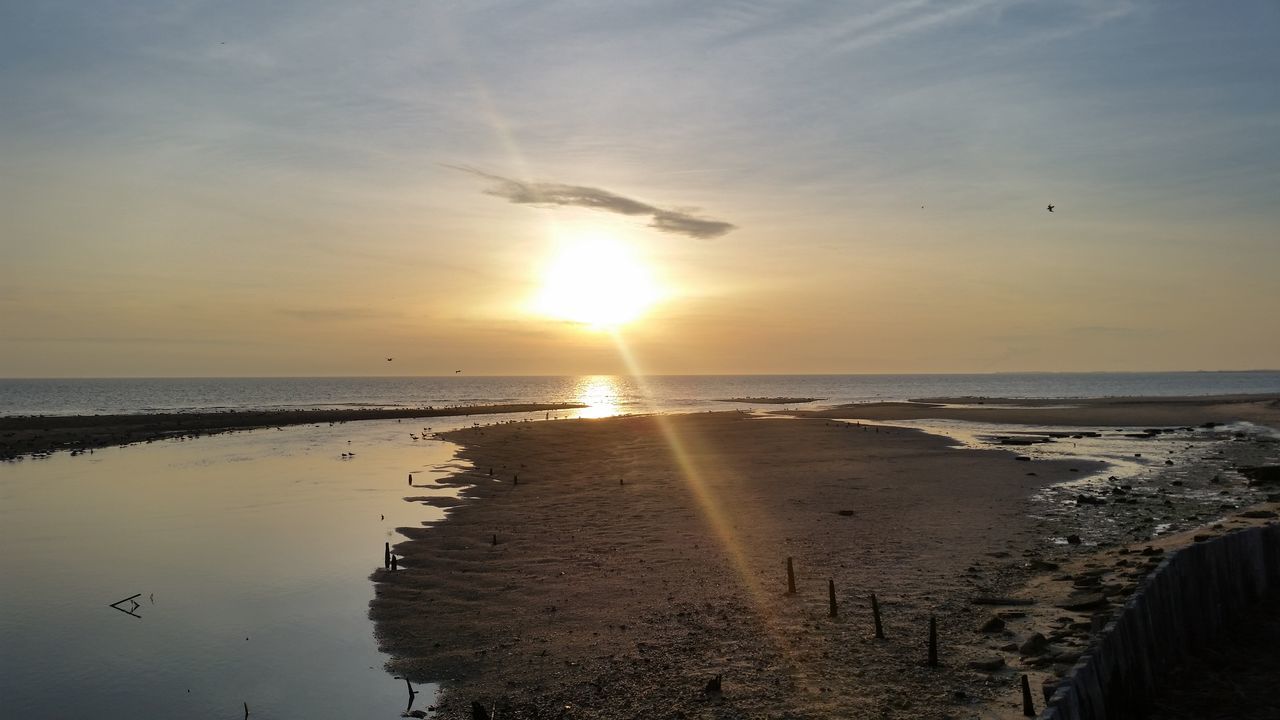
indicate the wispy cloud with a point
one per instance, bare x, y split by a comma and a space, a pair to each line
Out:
549, 194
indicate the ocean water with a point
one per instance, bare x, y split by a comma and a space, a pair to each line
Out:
609, 394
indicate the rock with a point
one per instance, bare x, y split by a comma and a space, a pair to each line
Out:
1258, 514
992, 625
1042, 565
1023, 458
989, 600
987, 664
1084, 601
1073, 539
845, 513
1262, 475
1034, 645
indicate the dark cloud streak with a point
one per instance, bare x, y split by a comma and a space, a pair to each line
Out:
546, 194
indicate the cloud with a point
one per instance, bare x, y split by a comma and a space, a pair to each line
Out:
547, 194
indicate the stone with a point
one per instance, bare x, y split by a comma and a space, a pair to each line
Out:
1258, 514
1034, 645
1073, 539
992, 625
1084, 601
987, 664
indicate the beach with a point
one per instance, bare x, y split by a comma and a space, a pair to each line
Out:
611, 568
1133, 412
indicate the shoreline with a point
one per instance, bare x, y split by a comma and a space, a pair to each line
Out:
590, 572
1133, 412
41, 434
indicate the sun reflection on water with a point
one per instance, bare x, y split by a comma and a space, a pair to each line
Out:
601, 394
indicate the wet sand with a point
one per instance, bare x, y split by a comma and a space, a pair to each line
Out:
1105, 412
600, 573
626, 575
28, 434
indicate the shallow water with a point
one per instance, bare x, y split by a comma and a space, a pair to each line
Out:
251, 552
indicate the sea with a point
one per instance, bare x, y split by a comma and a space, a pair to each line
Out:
608, 394
200, 577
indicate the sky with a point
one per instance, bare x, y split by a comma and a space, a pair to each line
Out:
192, 188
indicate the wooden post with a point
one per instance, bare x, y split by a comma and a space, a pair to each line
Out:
875, 613
1028, 707
791, 578
933, 641
386, 555
495, 539
410, 478
394, 564
831, 596
515, 479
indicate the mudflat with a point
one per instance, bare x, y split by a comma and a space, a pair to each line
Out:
25, 434
612, 568
1103, 412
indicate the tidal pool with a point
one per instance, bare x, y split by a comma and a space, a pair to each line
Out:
250, 554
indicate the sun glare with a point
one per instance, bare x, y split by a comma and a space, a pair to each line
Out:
597, 282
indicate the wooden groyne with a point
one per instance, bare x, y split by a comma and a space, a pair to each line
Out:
1181, 606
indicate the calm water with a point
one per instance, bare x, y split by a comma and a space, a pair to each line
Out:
623, 394
252, 551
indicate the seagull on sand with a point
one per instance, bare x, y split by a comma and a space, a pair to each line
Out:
1050, 207
390, 359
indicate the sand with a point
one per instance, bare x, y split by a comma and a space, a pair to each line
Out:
1107, 412
600, 573
623, 579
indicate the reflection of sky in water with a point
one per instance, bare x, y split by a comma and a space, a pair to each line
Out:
1125, 457
600, 393
268, 535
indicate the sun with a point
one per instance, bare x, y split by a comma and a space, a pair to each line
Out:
599, 282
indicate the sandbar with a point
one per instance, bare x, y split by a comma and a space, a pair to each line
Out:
27, 434
610, 568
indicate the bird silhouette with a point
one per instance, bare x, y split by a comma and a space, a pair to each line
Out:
390, 359
1050, 207
455, 372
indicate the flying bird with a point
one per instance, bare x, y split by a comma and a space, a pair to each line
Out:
455, 372
1050, 207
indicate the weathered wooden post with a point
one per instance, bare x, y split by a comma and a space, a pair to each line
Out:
791, 578
394, 565
875, 614
933, 641
386, 555
1028, 707
831, 596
